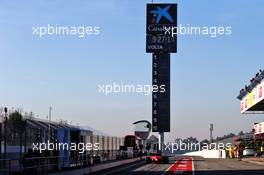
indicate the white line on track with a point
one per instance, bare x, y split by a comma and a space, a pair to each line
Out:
193, 171
168, 168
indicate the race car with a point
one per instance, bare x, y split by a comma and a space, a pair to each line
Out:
157, 158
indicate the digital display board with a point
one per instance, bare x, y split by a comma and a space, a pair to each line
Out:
161, 99
161, 21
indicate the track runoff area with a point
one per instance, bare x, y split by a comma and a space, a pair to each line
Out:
176, 165
184, 165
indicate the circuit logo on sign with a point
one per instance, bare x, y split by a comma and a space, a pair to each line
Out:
162, 12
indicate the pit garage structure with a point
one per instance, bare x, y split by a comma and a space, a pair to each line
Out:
252, 102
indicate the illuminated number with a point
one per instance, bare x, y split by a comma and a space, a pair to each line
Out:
154, 39
168, 39
159, 39
155, 58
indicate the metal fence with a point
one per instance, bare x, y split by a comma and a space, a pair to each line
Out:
43, 165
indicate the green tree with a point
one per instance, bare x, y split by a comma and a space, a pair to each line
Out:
17, 127
16, 123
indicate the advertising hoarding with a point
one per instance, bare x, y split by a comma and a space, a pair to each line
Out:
251, 102
259, 128
161, 21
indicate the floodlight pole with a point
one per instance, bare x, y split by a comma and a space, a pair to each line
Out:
5, 130
49, 122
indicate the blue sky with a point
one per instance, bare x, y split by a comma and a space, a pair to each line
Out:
65, 71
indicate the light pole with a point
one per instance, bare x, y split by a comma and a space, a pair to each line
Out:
49, 121
211, 128
5, 122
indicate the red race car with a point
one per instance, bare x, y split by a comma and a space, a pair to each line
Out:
157, 158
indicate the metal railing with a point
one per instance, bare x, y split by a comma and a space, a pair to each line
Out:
44, 165
6, 165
